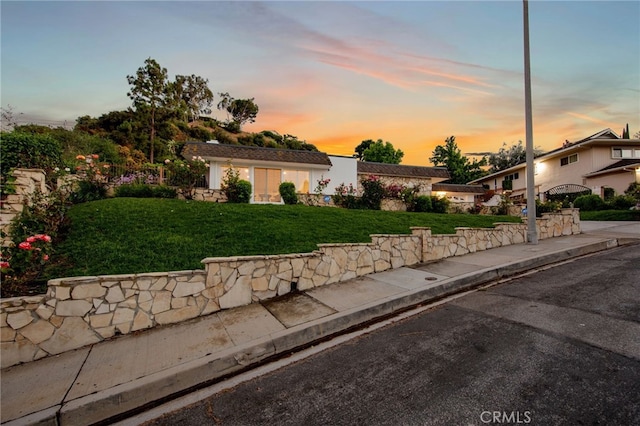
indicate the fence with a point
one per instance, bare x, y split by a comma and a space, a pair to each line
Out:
148, 175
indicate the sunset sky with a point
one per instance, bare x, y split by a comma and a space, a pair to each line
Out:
336, 73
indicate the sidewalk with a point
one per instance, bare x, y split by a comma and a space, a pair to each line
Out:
93, 384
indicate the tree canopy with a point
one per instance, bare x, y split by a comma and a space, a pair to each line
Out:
378, 152
460, 168
150, 92
508, 157
241, 111
192, 96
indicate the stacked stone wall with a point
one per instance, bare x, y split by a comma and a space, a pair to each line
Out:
81, 311
27, 181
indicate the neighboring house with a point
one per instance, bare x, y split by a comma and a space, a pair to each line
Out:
266, 168
603, 160
410, 176
463, 196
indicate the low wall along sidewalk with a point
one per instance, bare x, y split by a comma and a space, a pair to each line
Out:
81, 311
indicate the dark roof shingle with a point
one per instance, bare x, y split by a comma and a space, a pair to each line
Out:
244, 152
401, 170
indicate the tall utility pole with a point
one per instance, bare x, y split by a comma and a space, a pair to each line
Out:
532, 233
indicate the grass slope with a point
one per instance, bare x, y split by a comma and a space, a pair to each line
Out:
129, 235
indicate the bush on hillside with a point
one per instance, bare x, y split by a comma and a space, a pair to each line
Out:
422, 204
439, 205
29, 151
137, 190
373, 193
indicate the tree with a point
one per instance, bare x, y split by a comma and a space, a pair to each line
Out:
509, 157
625, 132
192, 95
241, 110
364, 145
378, 152
460, 168
149, 93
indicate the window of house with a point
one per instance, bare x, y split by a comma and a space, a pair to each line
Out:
512, 176
299, 177
622, 152
243, 173
266, 185
573, 158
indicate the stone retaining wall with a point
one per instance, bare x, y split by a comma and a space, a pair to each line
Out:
81, 311
26, 183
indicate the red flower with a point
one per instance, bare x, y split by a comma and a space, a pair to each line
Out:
25, 245
45, 257
4, 265
32, 239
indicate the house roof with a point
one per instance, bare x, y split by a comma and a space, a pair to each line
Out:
244, 152
604, 137
383, 169
500, 173
450, 187
617, 166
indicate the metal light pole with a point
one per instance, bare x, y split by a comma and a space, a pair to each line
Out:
532, 233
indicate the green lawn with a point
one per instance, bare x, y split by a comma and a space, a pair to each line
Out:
129, 235
610, 215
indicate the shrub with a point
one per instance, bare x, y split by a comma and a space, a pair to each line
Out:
88, 190
42, 220
164, 191
139, 190
27, 150
609, 193
422, 204
633, 190
346, 197
135, 190
589, 203
186, 174
243, 192
236, 189
200, 133
439, 205
621, 202
373, 193
22, 264
93, 179
548, 207
288, 193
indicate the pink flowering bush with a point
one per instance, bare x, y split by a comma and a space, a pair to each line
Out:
22, 264
187, 174
94, 179
322, 185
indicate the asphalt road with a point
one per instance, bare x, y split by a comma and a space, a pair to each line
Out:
557, 347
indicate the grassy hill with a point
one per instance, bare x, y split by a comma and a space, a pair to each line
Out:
128, 235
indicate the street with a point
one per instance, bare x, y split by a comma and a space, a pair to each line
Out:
554, 347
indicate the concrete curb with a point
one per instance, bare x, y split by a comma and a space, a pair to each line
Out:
109, 404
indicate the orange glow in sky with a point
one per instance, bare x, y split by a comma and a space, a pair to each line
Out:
337, 73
